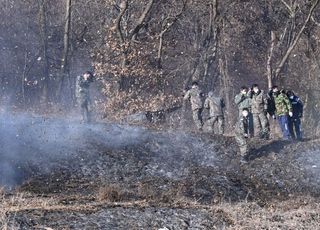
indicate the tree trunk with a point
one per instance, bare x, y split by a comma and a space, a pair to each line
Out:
165, 28
44, 42
66, 47
269, 61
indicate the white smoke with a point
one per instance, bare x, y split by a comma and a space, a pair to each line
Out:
27, 139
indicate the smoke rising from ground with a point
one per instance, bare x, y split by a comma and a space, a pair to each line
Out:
39, 141
34, 146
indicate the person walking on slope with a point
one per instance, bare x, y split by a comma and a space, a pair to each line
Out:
297, 112
83, 94
283, 110
215, 106
243, 101
259, 106
242, 133
195, 96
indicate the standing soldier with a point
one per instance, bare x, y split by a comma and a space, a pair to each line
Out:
243, 101
195, 96
259, 107
83, 95
283, 111
242, 133
215, 106
297, 112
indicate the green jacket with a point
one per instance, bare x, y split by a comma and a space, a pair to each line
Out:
259, 102
282, 104
215, 105
242, 101
195, 96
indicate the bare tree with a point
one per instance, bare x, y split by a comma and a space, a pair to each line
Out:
66, 47
296, 37
44, 41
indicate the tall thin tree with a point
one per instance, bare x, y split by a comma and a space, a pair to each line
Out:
65, 69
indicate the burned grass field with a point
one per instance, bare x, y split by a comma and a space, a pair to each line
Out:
60, 174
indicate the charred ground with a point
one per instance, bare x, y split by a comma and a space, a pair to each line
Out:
65, 175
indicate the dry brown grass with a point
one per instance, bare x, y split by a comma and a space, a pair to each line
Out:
296, 213
112, 193
11, 205
4, 216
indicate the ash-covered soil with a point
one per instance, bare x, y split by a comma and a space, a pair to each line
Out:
61, 174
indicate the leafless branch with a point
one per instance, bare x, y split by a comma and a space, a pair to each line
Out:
295, 41
167, 23
288, 6
141, 20
123, 9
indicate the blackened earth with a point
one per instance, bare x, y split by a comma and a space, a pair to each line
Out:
110, 176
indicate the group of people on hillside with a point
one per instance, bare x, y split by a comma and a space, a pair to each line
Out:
215, 104
254, 105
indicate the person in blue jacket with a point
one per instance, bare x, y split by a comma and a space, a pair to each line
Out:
295, 120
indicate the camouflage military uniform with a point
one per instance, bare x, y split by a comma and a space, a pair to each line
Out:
194, 95
283, 107
242, 134
259, 112
83, 96
215, 106
243, 101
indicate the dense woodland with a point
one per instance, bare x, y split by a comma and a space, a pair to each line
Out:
146, 53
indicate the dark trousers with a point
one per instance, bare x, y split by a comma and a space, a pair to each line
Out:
197, 118
250, 128
84, 106
295, 128
284, 125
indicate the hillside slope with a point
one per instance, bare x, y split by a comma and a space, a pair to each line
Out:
65, 175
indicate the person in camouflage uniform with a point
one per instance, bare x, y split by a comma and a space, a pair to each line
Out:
195, 96
243, 101
215, 106
283, 110
83, 95
259, 108
242, 132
